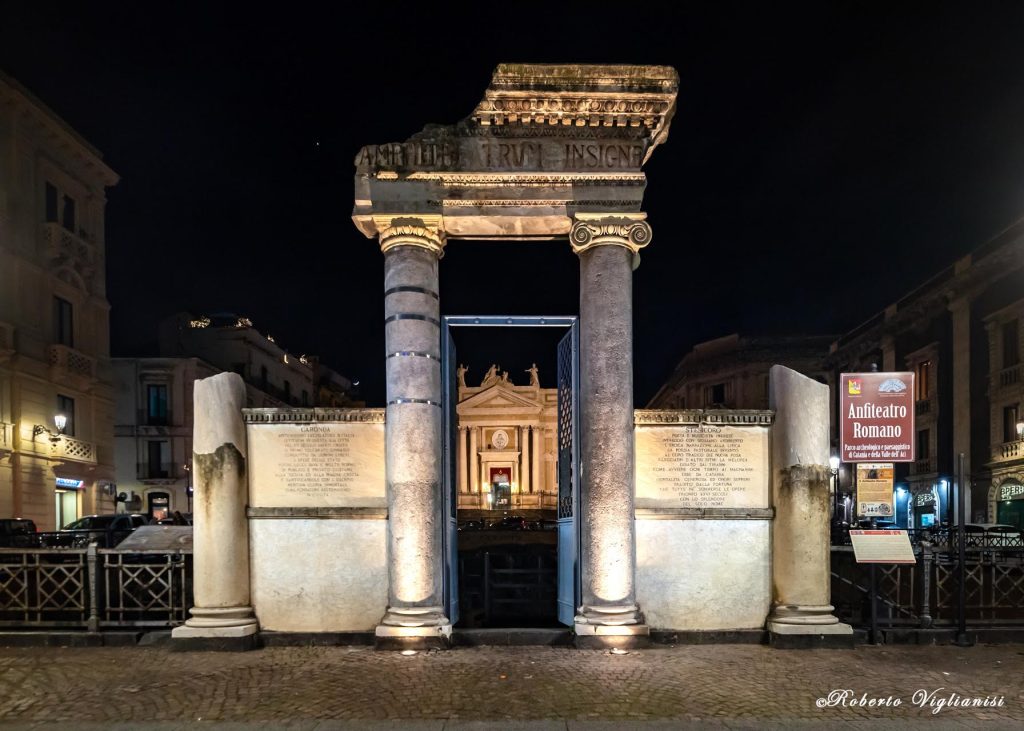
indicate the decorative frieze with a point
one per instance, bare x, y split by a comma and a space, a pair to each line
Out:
301, 416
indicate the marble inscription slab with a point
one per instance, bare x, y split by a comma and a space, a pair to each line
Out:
702, 466
319, 464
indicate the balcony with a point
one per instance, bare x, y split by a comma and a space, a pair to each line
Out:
68, 360
69, 449
925, 465
1008, 376
62, 245
1010, 450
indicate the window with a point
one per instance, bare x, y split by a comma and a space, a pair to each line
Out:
922, 380
263, 378
157, 459
1011, 343
51, 203
68, 215
924, 444
305, 398
63, 322
714, 395
66, 406
156, 404
1010, 414
287, 392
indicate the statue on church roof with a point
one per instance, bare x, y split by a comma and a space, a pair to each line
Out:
461, 372
490, 378
534, 378
504, 378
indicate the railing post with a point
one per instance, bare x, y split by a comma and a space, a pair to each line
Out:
926, 585
91, 558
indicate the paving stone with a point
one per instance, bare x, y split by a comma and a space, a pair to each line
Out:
334, 688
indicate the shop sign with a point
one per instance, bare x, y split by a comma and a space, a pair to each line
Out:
1011, 491
66, 483
876, 417
874, 489
924, 499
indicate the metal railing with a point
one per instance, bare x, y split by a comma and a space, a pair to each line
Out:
924, 594
94, 588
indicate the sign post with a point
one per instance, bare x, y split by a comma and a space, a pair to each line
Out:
876, 417
875, 547
874, 490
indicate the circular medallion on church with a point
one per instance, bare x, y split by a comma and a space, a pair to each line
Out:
499, 440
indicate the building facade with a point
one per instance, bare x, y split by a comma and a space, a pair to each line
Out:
960, 333
154, 416
507, 451
54, 317
731, 372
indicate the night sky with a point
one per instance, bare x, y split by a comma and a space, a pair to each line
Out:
820, 164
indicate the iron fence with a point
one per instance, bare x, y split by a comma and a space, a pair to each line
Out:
94, 588
924, 594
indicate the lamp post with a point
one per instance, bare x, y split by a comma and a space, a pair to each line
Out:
833, 463
1020, 430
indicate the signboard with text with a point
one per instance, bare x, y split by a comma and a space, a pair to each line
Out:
876, 417
874, 489
882, 546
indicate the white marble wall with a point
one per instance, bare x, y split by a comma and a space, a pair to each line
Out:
318, 575
704, 574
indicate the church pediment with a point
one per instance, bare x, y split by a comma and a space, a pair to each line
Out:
499, 397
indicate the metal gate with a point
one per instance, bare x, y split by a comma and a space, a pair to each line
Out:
568, 454
568, 475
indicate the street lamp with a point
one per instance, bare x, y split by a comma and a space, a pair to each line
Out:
833, 463
1020, 430
59, 420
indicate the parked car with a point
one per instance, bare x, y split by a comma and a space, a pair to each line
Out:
105, 530
18, 533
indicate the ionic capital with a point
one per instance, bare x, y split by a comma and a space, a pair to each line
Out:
422, 231
630, 230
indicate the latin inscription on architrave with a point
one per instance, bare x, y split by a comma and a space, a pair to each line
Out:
705, 466
316, 465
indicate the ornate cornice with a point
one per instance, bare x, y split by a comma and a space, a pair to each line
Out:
422, 231
625, 229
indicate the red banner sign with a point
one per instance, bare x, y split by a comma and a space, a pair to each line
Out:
876, 417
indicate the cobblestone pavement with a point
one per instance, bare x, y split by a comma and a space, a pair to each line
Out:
723, 686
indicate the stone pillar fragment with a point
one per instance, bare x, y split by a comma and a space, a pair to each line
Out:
801, 613
220, 533
415, 615
608, 249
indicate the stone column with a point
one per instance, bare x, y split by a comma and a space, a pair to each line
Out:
460, 461
415, 615
524, 460
474, 465
608, 250
801, 610
222, 615
538, 456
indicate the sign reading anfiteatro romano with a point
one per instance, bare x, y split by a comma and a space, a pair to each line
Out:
876, 417
874, 489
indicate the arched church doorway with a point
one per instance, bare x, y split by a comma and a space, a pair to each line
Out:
511, 456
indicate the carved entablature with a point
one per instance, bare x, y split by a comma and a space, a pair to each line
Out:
548, 141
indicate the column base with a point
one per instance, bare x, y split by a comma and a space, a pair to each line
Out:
609, 627
793, 626
231, 628
413, 628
